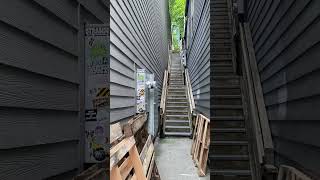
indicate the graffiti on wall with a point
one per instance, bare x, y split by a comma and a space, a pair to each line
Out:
97, 100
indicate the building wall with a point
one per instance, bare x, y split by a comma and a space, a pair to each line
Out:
286, 42
198, 53
41, 62
138, 40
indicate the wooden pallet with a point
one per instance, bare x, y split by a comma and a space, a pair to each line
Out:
126, 163
201, 143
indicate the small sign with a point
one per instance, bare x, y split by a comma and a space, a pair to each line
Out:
141, 91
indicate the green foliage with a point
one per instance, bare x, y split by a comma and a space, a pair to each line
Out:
177, 13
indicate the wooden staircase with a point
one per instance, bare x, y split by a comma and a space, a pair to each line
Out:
229, 153
177, 121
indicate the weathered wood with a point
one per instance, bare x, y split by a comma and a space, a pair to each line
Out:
147, 161
115, 132
145, 148
149, 174
202, 167
194, 136
264, 122
134, 125
201, 143
120, 150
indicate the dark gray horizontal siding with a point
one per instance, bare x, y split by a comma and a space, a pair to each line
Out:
198, 56
29, 162
41, 70
286, 41
138, 40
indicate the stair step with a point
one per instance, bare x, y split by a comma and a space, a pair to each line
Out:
177, 127
176, 107
176, 98
229, 157
227, 107
228, 130
229, 143
180, 116
227, 118
177, 133
226, 96
230, 172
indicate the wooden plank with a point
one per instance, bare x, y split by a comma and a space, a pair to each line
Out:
151, 167
125, 168
204, 148
194, 136
146, 162
137, 165
120, 150
115, 132
115, 173
145, 148
198, 141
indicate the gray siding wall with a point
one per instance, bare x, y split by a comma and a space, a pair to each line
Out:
41, 63
138, 40
198, 53
287, 45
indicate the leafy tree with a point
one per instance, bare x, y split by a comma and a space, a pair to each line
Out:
177, 13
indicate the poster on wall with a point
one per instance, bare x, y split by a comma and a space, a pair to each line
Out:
97, 99
141, 78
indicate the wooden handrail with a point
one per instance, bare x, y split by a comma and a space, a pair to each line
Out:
189, 91
257, 109
164, 92
232, 22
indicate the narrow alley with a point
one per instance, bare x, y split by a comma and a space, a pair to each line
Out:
160, 90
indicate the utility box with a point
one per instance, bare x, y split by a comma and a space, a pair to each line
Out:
147, 99
152, 104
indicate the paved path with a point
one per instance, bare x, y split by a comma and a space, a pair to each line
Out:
174, 160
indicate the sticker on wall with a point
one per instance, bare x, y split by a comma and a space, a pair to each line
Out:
141, 78
97, 99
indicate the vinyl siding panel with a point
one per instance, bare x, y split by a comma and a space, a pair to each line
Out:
42, 86
138, 40
286, 42
198, 54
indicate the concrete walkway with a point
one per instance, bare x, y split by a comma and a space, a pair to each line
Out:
174, 160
